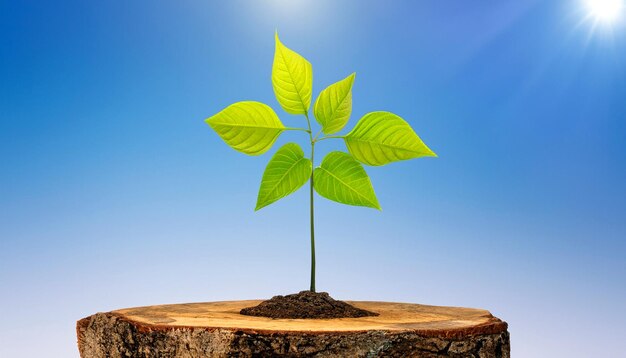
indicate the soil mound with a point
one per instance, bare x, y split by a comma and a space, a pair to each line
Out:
305, 304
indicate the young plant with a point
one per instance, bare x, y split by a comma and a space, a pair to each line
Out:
377, 139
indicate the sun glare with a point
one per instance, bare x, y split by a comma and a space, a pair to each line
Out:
606, 11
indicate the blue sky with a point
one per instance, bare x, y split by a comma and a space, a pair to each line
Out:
114, 192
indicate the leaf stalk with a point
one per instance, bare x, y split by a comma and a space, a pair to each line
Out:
329, 137
298, 129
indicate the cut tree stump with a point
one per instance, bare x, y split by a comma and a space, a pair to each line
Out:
216, 329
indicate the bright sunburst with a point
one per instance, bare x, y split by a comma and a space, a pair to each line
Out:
605, 11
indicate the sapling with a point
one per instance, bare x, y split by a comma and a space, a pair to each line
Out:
377, 139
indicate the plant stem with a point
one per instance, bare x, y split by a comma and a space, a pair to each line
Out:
312, 289
329, 137
313, 140
298, 129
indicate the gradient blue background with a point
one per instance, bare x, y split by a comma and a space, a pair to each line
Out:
115, 193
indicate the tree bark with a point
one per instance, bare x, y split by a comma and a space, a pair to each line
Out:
216, 329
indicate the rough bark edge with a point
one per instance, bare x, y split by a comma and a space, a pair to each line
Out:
110, 335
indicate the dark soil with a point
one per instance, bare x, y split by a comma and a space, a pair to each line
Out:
305, 304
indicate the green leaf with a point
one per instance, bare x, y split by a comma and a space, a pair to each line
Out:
382, 137
342, 179
286, 172
292, 79
334, 104
249, 127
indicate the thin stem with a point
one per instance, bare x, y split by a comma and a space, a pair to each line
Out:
329, 137
308, 122
312, 289
298, 129
312, 226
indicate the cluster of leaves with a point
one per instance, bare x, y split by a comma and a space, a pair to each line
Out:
377, 139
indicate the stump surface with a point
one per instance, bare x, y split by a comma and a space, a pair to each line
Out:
217, 329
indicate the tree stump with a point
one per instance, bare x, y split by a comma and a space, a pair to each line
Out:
216, 329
